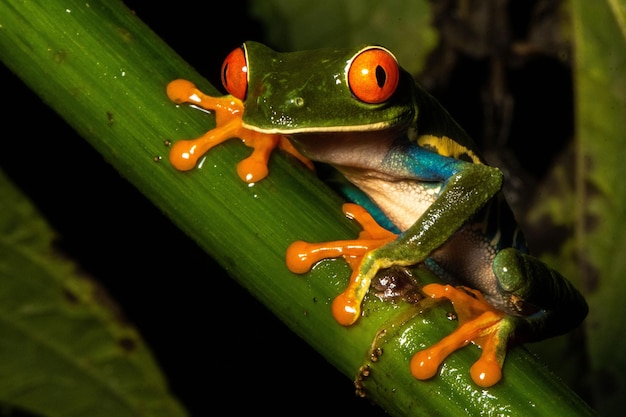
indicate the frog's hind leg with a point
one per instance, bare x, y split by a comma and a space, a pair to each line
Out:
536, 302
548, 302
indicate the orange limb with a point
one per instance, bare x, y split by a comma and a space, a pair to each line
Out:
480, 323
301, 256
184, 154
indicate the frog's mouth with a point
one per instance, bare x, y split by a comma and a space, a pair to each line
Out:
283, 127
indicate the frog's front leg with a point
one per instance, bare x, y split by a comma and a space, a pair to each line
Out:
301, 256
464, 193
184, 154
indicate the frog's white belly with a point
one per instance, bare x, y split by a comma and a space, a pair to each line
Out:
402, 200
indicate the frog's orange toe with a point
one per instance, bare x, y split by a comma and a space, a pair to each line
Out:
183, 156
486, 373
250, 170
425, 363
346, 310
180, 91
298, 257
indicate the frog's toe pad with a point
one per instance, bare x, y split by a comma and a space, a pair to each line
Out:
479, 323
180, 91
252, 170
425, 363
182, 155
346, 310
486, 371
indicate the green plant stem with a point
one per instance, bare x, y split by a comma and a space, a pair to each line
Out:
95, 62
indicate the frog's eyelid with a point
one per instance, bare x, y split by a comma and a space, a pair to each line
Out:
235, 73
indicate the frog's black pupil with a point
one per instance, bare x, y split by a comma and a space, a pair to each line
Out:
381, 76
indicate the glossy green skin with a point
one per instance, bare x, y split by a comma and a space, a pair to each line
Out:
448, 211
283, 99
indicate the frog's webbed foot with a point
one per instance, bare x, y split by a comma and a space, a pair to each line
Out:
480, 323
301, 256
185, 154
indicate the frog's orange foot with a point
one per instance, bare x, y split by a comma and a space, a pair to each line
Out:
185, 154
480, 323
301, 256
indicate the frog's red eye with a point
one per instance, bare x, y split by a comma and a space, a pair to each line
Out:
373, 75
235, 73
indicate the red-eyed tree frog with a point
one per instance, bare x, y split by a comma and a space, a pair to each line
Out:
418, 187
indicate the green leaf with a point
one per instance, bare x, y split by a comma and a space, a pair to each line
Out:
65, 349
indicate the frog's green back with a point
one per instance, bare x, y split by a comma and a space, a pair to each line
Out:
437, 129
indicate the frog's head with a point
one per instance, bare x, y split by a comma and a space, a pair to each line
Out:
361, 89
